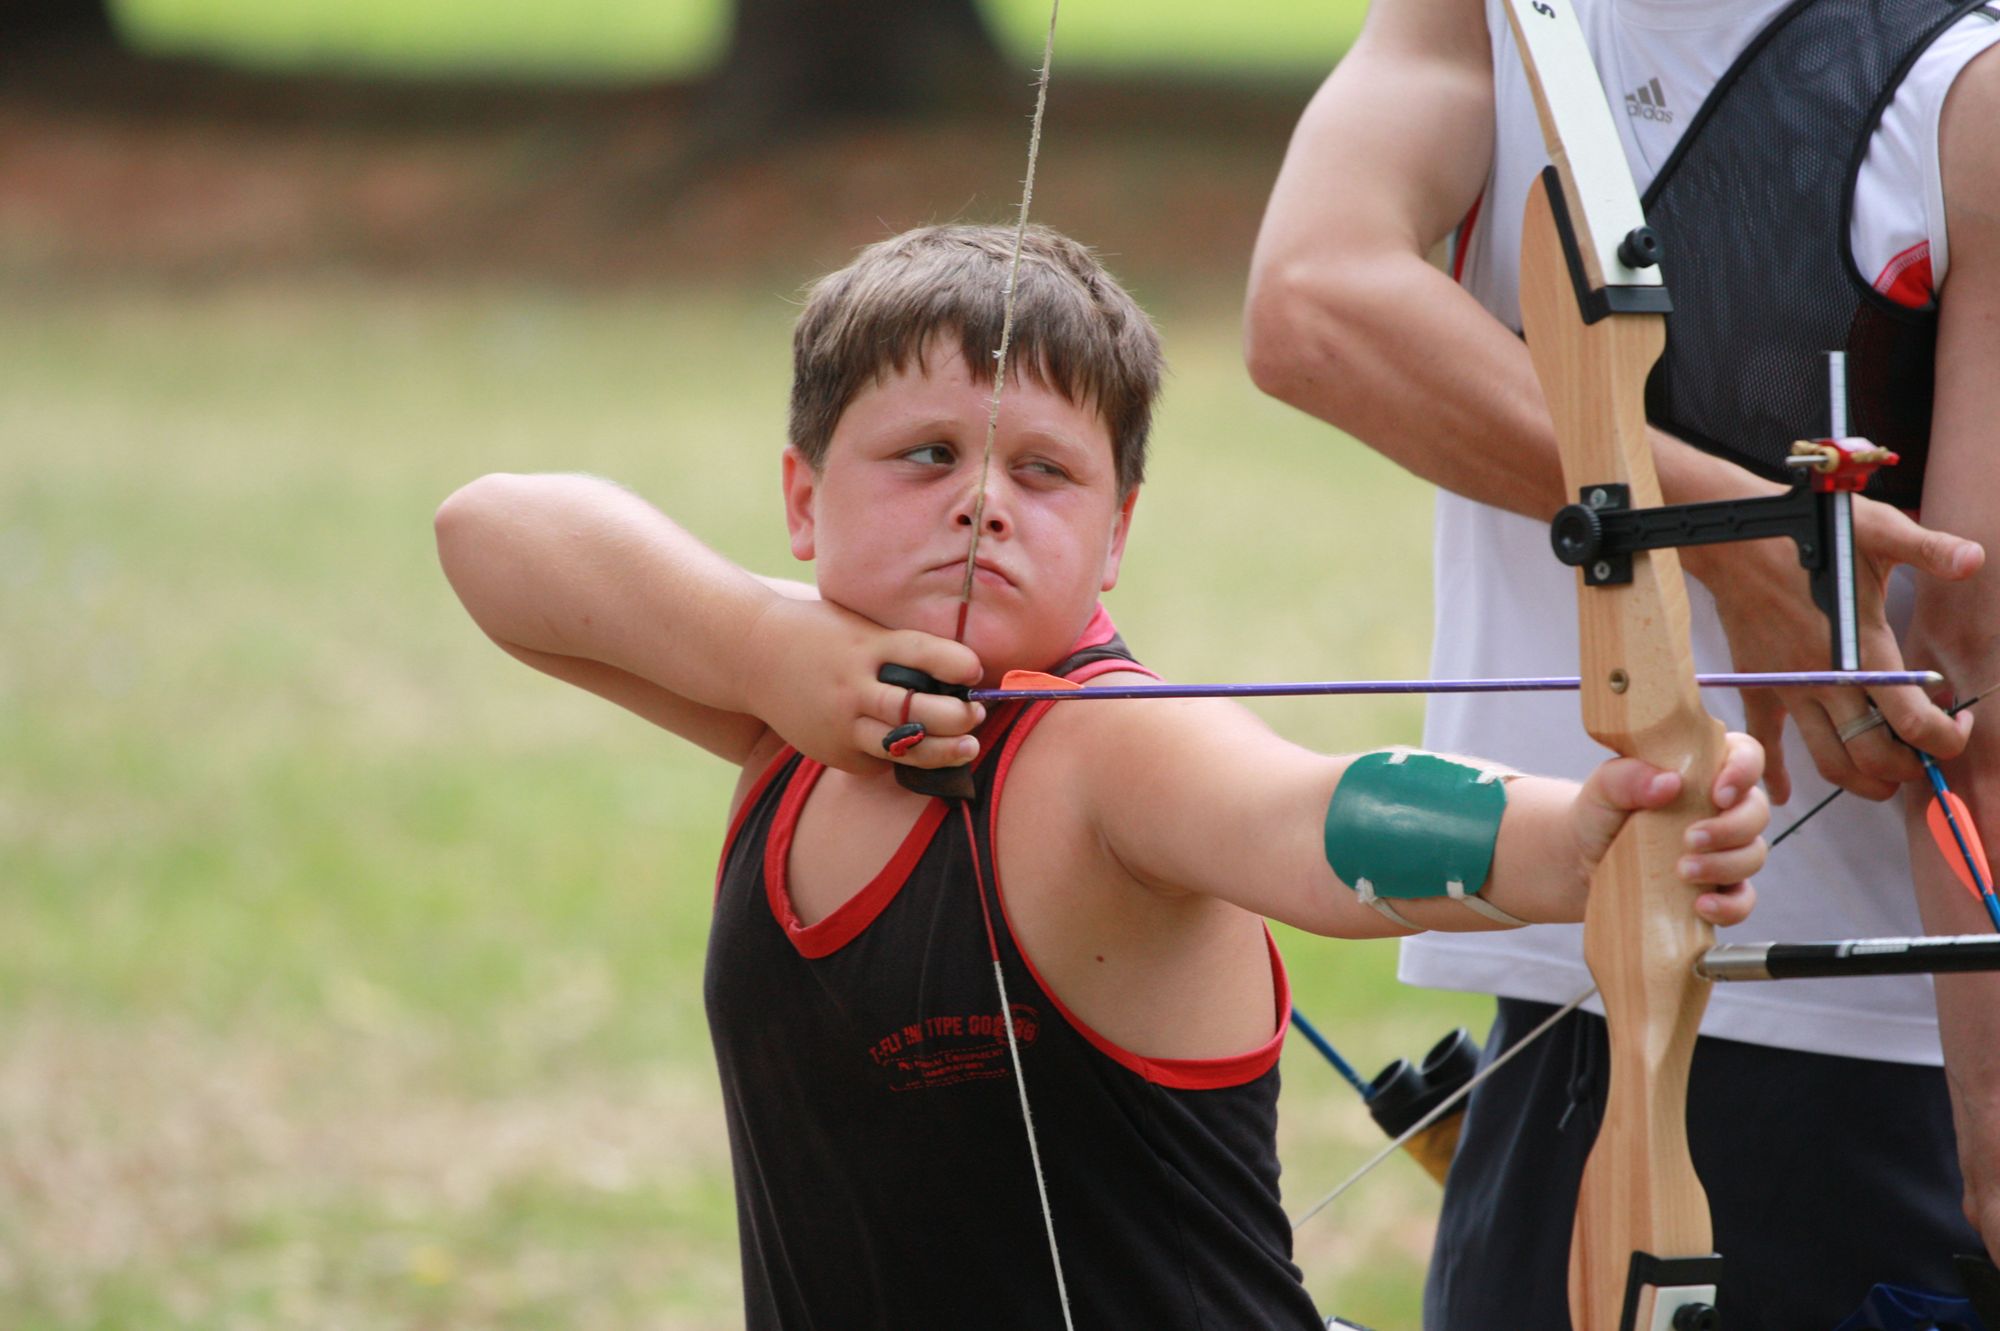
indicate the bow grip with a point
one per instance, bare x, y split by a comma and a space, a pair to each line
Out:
952, 783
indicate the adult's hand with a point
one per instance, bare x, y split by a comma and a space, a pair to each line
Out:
1767, 612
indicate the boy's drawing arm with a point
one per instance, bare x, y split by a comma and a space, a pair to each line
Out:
1201, 797
587, 582
1956, 627
1346, 319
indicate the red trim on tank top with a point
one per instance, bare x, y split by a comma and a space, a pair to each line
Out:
847, 921
1184, 1074
844, 923
1096, 633
1906, 279
742, 814
1463, 243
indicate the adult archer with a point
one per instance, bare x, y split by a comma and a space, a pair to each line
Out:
1427, 129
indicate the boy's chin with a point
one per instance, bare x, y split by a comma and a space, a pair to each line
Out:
1000, 646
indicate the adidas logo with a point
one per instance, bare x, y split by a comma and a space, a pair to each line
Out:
1649, 102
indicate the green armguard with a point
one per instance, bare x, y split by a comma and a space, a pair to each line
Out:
1406, 825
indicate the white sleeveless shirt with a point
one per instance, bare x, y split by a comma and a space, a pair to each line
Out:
1504, 606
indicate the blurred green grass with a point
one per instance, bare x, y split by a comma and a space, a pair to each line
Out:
637, 39
352, 970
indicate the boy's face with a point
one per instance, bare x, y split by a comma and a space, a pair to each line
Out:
889, 517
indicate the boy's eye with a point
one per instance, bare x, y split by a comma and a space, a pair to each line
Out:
932, 455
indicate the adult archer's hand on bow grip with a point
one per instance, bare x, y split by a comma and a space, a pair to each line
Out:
1760, 594
1721, 851
818, 685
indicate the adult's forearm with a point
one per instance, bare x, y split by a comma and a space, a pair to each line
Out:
576, 566
1395, 353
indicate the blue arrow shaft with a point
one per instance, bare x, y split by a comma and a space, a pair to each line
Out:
1325, 1046
1939, 789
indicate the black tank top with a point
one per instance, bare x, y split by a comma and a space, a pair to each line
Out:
882, 1170
1754, 208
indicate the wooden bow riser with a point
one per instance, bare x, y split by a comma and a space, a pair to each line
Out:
1641, 936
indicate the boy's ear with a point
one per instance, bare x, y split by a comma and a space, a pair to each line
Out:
801, 485
1121, 528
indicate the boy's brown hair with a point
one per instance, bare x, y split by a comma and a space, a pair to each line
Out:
1075, 329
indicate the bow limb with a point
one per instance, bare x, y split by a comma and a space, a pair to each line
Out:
1594, 328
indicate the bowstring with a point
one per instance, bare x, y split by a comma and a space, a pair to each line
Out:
1443, 1107
1806, 817
965, 607
1007, 316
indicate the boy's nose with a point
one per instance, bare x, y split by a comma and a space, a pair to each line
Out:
993, 520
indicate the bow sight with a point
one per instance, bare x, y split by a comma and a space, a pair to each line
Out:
1600, 534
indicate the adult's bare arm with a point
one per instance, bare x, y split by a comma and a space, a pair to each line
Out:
1957, 625
1347, 320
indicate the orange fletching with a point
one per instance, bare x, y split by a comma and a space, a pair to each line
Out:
1035, 679
1948, 844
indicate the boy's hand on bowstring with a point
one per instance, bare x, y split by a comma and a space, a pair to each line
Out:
1721, 851
812, 679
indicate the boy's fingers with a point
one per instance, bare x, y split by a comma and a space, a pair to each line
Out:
928, 750
1727, 905
1720, 867
1625, 784
1615, 789
1740, 826
1741, 768
936, 713
942, 659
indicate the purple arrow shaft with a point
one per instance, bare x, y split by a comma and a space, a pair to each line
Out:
1541, 684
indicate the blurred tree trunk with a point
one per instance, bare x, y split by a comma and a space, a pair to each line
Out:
70, 23
792, 62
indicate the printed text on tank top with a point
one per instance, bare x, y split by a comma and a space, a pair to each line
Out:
1158, 973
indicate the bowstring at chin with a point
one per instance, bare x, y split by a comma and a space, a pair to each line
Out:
1007, 315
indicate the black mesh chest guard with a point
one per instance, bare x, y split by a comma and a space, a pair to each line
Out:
1754, 207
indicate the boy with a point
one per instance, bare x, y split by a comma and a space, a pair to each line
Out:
878, 1088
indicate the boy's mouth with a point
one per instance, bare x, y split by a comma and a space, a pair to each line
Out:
988, 572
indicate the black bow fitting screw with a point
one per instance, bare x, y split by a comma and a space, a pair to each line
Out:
1641, 248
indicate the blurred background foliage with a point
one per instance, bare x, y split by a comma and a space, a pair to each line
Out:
351, 971
608, 39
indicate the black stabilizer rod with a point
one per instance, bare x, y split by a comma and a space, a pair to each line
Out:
1859, 956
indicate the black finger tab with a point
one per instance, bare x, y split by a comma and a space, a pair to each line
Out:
903, 738
952, 783
916, 681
